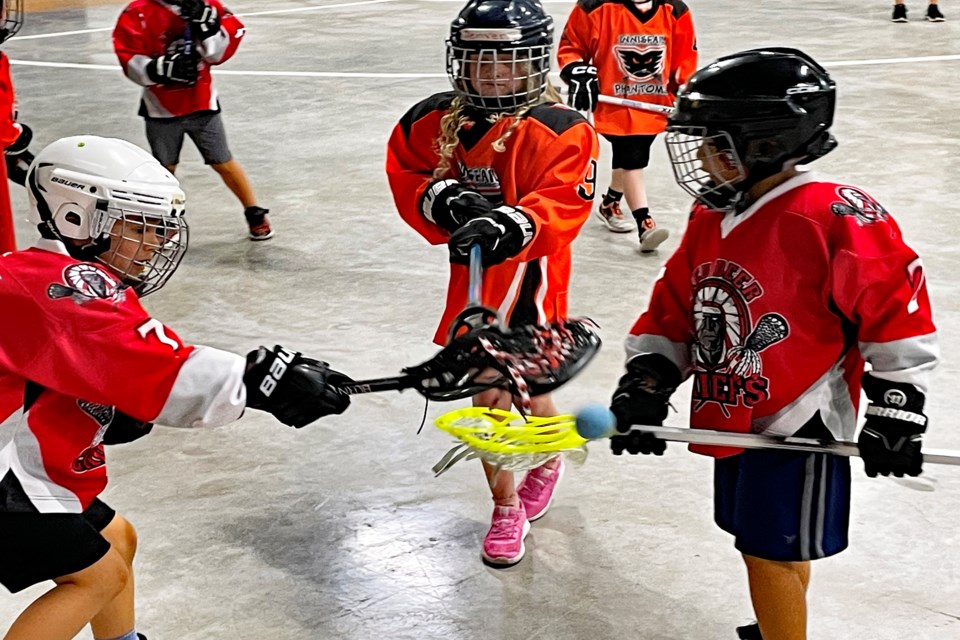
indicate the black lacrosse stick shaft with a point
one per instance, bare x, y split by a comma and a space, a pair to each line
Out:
376, 385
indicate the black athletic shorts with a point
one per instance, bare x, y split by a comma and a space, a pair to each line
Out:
37, 547
631, 152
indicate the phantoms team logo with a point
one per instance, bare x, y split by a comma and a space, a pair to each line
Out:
85, 282
728, 365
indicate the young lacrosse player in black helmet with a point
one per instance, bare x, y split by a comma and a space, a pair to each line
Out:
83, 365
499, 163
15, 136
783, 286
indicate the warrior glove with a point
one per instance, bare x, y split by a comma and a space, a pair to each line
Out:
893, 432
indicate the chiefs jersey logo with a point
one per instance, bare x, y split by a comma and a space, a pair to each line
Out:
641, 63
728, 366
860, 205
85, 282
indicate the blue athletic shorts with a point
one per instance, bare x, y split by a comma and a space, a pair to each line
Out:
784, 505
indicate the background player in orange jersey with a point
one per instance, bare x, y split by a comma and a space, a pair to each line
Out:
637, 50
781, 289
498, 163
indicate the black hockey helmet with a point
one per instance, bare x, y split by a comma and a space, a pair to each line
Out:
11, 18
490, 36
763, 110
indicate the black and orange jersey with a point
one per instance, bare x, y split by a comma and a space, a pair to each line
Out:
643, 56
548, 169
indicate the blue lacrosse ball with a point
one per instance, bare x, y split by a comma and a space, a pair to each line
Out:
595, 421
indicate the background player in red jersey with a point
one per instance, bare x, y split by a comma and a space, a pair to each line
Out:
637, 50
782, 287
15, 137
168, 47
83, 365
498, 163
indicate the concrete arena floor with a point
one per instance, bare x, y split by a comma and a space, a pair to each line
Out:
339, 531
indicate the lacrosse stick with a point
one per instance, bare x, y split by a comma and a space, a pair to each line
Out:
528, 361
511, 442
633, 104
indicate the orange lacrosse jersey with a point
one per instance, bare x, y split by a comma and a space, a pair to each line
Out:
643, 56
548, 170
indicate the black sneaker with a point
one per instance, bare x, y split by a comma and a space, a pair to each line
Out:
933, 14
899, 13
749, 632
258, 223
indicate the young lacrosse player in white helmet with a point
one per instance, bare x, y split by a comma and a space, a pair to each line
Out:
498, 163
83, 365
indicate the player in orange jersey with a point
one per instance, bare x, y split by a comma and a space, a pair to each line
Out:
498, 163
637, 50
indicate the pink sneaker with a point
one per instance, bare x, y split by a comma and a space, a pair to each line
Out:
536, 490
503, 545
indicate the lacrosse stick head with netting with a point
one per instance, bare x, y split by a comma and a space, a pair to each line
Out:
509, 441
528, 361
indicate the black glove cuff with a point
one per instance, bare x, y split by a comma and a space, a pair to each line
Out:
22, 142
435, 203
897, 395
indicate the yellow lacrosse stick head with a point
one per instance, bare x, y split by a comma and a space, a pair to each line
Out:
511, 441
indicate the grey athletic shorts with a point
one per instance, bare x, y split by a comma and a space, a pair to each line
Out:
165, 136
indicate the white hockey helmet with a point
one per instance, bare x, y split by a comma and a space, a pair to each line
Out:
124, 206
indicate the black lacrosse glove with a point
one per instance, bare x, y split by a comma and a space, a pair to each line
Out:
296, 390
501, 233
449, 204
204, 17
18, 157
125, 429
893, 432
175, 68
643, 398
583, 92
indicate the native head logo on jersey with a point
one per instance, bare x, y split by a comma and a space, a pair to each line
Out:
84, 283
860, 205
728, 366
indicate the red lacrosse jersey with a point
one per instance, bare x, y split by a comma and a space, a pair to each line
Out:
75, 348
150, 28
548, 170
773, 311
9, 132
639, 55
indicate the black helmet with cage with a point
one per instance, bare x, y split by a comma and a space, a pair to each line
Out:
11, 18
759, 112
490, 36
